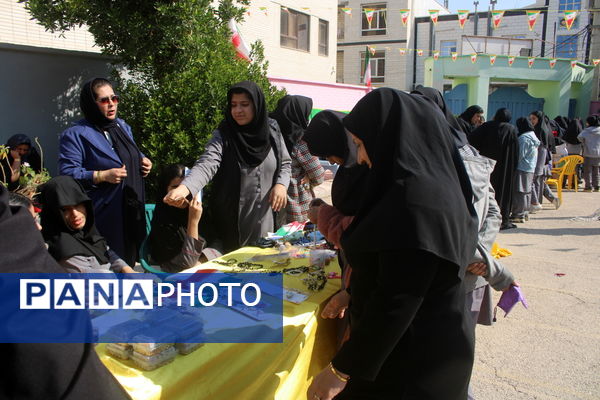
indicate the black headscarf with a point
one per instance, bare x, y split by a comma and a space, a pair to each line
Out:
524, 125
415, 164
32, 157
563, 122
503, 115
252, 141
64, 242
326, 136
465, 118
542, 130
573, 130
292, 114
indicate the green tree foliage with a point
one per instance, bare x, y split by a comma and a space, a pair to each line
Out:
175, 63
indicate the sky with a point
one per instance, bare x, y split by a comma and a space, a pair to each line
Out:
484, 4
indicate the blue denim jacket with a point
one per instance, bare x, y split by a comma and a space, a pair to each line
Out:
528, 151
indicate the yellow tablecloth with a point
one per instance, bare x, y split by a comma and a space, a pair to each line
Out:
245, 371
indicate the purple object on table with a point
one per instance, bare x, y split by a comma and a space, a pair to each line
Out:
511, 297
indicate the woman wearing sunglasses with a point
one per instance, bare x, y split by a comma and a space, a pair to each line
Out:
100, 152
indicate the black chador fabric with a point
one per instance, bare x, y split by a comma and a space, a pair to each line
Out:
251, 142
64, 242
46, 370
573, 130
326, 136
543, 131
497, 140
435, 96
465, 118
292, 114
409, 244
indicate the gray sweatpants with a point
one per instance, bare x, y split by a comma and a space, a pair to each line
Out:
522, 194
540, 190
591, 172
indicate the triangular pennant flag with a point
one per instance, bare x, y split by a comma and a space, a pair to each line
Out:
492, 60
434, 16
367, 73
241, 49
497, 18
532, 18
530, 61
419, 52
474, 58
552, 62
284, 9
454, 55
573, 63
436, 55
570, 18
404, 14
347, 11
596, 61
511, 60
402, 51
305, 8
369, 12
371, 50
463, 15
264, 10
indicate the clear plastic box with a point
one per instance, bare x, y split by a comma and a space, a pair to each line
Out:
149, 363
119, 350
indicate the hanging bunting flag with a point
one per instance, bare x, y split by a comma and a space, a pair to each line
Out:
367, 72
463, 15
371, 49
419, 52
402, 51
369, 12
436, 55
306, 8
492, 59
474, 58
263, 9
573, 63
284, 9
511, 60
241, 50
454, 55
570, 18
552, 62
530, 61
497, 18
404, 14
596, 61
434, 16
532, 18
347, 11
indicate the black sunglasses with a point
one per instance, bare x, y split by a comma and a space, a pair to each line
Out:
105, 100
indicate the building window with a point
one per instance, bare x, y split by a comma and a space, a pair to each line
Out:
295, 29
377, 62
566, 46
323, 38
341, 24
378, 23
339, 70
569, 5
447, 47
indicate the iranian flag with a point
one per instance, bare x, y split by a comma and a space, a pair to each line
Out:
530, 61
463, 15
570, 18
241, 49
367, 72
511, 61
402, 51
552, 62
532, 18
404, 14
434, 16
492, 59
474, 58
436, 55
454, 55
369, 13
497, 18
573, 63
347, 11
419, 52
596, 61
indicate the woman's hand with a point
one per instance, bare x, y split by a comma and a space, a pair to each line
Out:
146, 166
325, 386
177, 197
477, 268
278, 197
195, 211
337, 305
114, 175
513, 283
14, 153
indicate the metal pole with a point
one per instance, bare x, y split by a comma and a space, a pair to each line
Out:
476, 18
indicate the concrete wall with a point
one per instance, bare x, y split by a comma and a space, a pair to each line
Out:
40, 92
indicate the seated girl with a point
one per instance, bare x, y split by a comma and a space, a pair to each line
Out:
69, 230
174, 242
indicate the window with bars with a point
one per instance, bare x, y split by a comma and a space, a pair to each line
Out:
323, 38
295, 29
377, 62
378, 23
566, 46
447, 47
569, 5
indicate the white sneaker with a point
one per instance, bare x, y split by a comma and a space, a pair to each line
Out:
535, 208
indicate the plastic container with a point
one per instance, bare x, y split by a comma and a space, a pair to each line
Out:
149, 363
187, 327
187, 348
119, 350
123, 333
151, 343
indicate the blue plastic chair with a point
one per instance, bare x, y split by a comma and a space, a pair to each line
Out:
144, 248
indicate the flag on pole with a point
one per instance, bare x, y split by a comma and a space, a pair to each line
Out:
570, 18
369, 12
347, 11
402, 51
463, 15
419, 52
497, 18
371, 49
573, 63
530, 61
241, 49
474, 58
552, 62
596, 61
367, 72
434, 16
436, 55
492, 59
511, 60
532, 18
404, 14
454, 55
